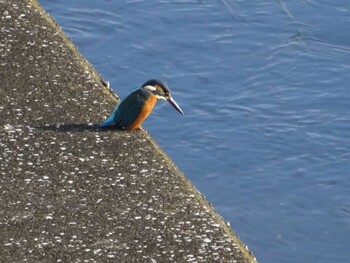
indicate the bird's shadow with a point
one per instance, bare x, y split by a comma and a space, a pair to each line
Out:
83, 127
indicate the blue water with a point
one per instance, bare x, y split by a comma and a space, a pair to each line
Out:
265, 90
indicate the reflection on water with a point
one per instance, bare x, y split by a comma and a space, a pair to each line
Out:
264, 88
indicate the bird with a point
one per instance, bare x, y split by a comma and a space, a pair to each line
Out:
136, 107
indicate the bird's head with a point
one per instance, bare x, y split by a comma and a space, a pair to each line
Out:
161, 90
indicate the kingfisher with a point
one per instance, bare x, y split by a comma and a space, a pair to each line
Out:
136, 107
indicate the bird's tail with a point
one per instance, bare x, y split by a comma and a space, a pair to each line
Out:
108, 122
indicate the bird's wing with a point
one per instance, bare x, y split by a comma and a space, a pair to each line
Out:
129, 109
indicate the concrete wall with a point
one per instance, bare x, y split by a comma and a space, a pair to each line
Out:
70, 192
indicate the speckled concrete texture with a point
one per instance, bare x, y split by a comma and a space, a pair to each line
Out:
70, 192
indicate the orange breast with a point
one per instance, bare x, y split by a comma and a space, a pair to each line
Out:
146, 110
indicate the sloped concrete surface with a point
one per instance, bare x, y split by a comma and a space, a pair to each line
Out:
70, 192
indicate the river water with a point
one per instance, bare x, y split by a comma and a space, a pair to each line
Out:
265, 90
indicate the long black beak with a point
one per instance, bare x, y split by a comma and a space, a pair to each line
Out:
174, 104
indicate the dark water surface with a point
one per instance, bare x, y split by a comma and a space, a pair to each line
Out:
265, 90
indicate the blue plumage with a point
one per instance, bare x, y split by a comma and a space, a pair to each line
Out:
128, 110
131, 112
110, 120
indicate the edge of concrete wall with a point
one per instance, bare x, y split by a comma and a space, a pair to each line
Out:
109, 92
85, 63
113, 97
